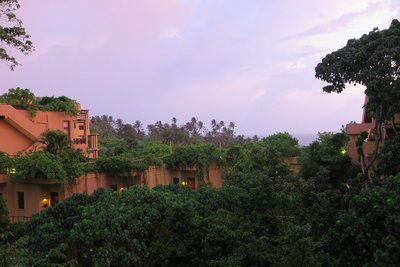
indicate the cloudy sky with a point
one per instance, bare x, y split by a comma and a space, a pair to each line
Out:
247, 61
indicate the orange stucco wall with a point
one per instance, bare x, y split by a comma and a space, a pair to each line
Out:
354, 129
35, 192
36, 197
20, 132
12, 140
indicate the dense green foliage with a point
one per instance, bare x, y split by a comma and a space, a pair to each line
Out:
326, 161
3, 212
25, 99
367, 232
389, 163
119, 165
263, 215
20, 99
61, 103
372, 61
55, 142
39, 165
57, 160
192, 132
5, 160
248, 222
193, 156
287, 145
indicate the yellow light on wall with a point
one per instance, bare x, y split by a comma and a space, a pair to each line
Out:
45, 200
184, 183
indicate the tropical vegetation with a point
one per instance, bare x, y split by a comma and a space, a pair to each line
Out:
331, 213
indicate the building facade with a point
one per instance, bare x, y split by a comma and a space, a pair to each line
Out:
20, 131
368, 125
30, 197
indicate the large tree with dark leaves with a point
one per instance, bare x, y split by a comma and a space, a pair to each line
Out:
374, 62
12, 33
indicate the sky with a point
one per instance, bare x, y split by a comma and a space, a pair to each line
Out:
247, 61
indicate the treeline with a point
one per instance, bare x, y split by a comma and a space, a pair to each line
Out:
220, 134
128, 147
264, 215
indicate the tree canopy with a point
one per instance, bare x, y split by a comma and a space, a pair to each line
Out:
21, 98
372, 61
55, 142
12, 33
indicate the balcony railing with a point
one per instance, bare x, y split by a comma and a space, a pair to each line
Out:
81, 140
16, 219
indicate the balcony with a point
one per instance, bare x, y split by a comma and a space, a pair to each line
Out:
83, 114
4, 178
16, 219
80, 140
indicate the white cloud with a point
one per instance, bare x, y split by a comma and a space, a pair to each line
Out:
296, 65
226, 93
171, 34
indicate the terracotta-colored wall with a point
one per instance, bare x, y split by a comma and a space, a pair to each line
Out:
215, 177
34, 195
154, 176
92, 181
12, 140
86, 184
19, 131
354, 129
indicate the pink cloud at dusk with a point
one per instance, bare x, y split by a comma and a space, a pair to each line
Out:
251, 62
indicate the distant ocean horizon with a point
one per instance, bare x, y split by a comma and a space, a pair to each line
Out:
304, 139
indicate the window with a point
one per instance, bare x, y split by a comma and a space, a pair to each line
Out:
53, 198
367, 117
21, 200
136, 180
81, 126
175, 180
191, 182
66, 127
114, 187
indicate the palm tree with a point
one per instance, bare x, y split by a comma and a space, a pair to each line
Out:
56, 142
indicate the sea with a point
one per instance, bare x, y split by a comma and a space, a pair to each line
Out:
304, 138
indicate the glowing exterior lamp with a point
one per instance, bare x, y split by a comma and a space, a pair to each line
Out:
184, 183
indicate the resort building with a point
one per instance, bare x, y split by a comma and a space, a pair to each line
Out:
20, 134
20, 131
368, 125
